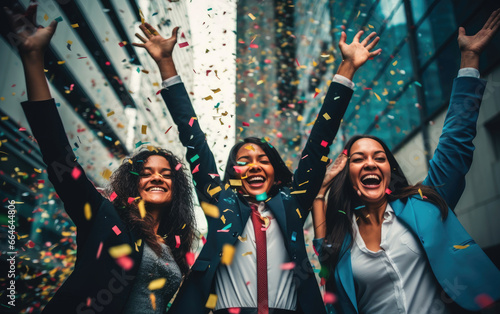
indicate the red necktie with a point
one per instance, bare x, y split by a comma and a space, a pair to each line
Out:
260, 240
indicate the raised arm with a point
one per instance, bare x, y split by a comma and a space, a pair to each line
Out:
65, 174
314, 158
453, 156
199, 155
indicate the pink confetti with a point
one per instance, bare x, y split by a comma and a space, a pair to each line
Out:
89, 301
288, 266
125, 262
246, 124
113, 196
22, 129
247, 283
190, 258
344, 152
324, 143
298, 64
196, 169
177, 241
203, 240
304, 156
75, 173
168, 129
30, 244
388, 191
159, 91
233, 310
178, 166
182, 45
130, 200
116, 230
99, 250
237, 169
108, 63
329, 298
316, 252
121, 44
191, 121
223, 230
484, 300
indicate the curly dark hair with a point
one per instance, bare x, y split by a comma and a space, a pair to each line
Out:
282, 175
176, 219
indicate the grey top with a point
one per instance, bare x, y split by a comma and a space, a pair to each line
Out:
153, 267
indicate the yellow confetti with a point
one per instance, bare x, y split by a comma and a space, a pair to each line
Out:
250, 147
378, 97
260, 82
212, 301
120, 250
70, 42
216, 90
395, 63
210, 210
300, 118
156, 84
208, 97
45, 17
110, 113
242, 239
304, 183
326, 116
461, 247
401, 82
214, 191
246, 253
324, 159
142, 208
250, 15
226, 186
144, 129
75, 25
299, 192
87, 211
183, 226
142, 16
235, 182
223, 219
227, 254
37, 170
153, 301
157, 284
106, 174
298, 212
61, 62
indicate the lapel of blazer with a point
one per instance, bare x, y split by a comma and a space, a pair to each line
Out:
344, 273
275, 204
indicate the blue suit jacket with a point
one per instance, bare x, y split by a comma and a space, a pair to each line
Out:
462, 273
195, 291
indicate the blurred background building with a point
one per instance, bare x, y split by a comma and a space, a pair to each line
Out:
252, 68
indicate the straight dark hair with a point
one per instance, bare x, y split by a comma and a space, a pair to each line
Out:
282, 175
342, 197
175, 219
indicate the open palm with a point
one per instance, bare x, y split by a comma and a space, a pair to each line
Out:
476, 43
157, 46
357, 53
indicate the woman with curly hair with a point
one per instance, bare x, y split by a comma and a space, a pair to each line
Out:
131, 253
390, 247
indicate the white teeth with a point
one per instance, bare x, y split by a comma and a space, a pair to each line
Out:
371, 176
255, 179
157, 189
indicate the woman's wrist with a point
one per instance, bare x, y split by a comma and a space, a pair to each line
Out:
347, 69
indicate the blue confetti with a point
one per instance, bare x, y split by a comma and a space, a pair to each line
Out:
261, 197
359, 207
228, 226
294, 236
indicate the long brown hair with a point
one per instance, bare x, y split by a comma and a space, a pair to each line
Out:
175, 219
343, 197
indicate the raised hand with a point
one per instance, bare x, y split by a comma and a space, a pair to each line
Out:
157, 46
357, 53
333, 170
476, 43
29, 38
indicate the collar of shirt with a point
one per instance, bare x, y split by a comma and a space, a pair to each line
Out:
389, 216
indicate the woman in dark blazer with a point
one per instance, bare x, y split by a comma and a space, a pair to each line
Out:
132, 246
256, 184
390, 247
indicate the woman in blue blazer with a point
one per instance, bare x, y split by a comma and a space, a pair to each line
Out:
260, 179
139, 235
391, 247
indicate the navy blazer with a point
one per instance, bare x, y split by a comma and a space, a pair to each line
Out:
460, 266
97, 284
290, 209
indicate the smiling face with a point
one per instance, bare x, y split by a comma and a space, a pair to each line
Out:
155, 183
254, 169
369, 170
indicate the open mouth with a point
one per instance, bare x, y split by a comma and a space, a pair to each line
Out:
371, 180
256, 181
156, 189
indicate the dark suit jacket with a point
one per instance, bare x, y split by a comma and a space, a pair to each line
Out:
99, 282
195, 291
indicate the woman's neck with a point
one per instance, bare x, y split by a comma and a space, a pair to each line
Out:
373, 213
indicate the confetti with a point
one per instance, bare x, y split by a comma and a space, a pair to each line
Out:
326, 116
287, 266
298, 212
99, 250
106, 174
152, 297
388, 191
184, 44
210, 210
461, 247
329, 298
324, 159
190, 258
242, 239
75, 25
223, 219
142, 208
261, 197
177, 241
87, 211
110, 113
191, 121
294, 236
250, 15
343, 212
246, 253
299, 192
484, 300
196, 169
120, 250
246, 124
324, 143
227, 254
235, 182
214, 191
144, 129
212, 301
125, 262
178, 166
116, 230
113, 196
75, 173
157, 284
